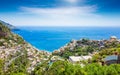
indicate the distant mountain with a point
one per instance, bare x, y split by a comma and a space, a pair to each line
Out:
9, 25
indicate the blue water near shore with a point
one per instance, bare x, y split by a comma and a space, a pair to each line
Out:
51, 38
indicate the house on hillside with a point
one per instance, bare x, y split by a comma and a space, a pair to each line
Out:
75, 59
112, 59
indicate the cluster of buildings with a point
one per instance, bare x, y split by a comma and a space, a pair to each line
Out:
100, 43
69, 46
75, 43
9, 49
5, 52
35, 56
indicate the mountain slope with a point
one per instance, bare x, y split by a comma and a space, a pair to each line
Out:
17, 54
8, 25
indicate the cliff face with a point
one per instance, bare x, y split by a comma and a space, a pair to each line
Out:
15, 50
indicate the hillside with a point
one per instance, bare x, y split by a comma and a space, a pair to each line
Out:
86, 47
17, 57
8, 25
85, 57
16, 54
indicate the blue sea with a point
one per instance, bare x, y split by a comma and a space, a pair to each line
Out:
52, 38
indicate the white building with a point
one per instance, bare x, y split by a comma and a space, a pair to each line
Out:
75, 59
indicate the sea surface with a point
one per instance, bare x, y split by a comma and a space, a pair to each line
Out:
52, 38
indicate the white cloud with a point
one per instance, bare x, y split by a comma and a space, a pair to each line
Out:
61, 15
36, 20
76, 15
83, 10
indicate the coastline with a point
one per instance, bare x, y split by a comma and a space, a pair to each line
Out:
45, 38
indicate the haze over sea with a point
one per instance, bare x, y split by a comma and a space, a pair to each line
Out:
51, 38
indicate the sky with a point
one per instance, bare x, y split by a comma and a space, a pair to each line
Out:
61, 12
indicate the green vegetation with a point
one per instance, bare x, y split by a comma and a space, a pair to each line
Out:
105, 52
4, 28
18, 66
86, 46
41, 68
18, 63
66, 68
1, 67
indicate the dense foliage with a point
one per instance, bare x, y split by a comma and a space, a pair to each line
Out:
1, 67
17, 65
66, 68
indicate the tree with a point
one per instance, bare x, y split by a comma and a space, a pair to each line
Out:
65, 68
109, 70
